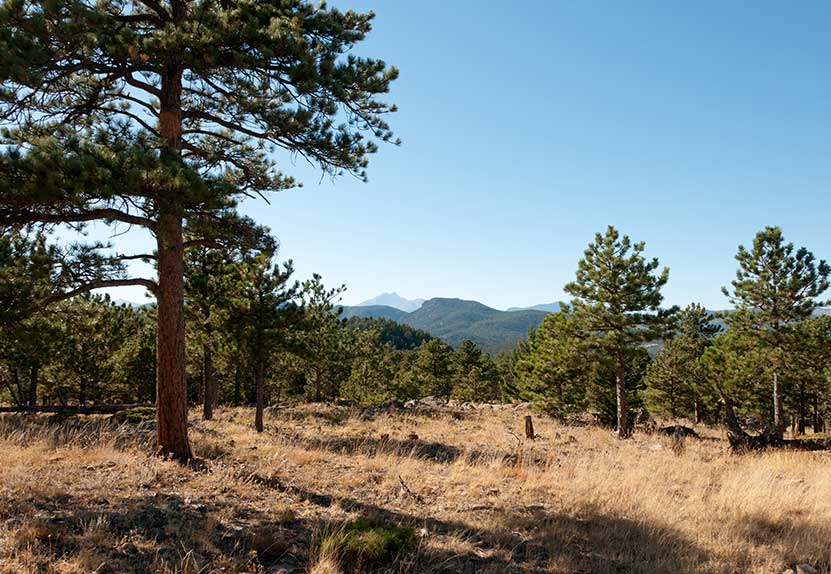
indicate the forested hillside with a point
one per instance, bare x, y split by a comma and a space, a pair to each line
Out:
455, 320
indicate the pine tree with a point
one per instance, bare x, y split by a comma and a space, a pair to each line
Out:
265, 317
554, 371
211, 281
27, 267
135, 360
739, 365
161, 114
779, 286
324, 341
475, 376
617, 303
432, 370
372, 370
676, 379
809, 367
92, 329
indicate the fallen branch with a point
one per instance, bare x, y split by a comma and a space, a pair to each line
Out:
85, 410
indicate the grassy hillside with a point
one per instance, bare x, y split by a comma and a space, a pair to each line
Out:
454, 320
85, 496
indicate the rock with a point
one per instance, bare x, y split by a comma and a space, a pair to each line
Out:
581, 419
805, 569
428, 402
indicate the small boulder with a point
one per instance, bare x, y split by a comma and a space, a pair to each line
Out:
805, 569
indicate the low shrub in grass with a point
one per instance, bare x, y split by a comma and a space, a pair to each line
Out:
366, 541
135, 415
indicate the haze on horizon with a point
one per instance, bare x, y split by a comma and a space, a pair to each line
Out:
687, 125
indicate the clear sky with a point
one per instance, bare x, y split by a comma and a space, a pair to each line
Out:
528, 126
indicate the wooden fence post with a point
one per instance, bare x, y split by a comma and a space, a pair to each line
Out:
529, 427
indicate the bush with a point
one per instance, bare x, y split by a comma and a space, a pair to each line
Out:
366, 541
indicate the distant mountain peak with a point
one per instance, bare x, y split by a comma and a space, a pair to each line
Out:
547, 307
393, 300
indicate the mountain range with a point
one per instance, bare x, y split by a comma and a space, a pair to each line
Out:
393, 300
454, 320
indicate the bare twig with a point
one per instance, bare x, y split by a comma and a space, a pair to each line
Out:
406, 490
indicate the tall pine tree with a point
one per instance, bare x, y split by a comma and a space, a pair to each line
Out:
778, 285
617, 303
162, 114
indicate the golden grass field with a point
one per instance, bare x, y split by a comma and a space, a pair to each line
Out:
91, 497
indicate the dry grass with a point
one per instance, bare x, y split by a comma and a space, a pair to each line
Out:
90, 497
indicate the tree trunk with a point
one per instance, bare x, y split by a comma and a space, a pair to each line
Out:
33, 386
801, 422
237, 386
259, 376
210, 382
318, 384
697, 409
623, 430
817, 426
778, 408
739, 439
171, 387
171, 390
15, 398
21, 396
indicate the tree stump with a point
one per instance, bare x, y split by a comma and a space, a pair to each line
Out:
529, 427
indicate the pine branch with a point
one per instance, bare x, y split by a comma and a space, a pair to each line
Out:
9, 217
157, 8
151, 286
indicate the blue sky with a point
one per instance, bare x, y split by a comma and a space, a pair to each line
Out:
528, 127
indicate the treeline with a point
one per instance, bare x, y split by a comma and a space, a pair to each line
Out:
761, 367
254, 336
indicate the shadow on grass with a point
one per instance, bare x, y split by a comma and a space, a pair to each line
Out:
532, 540
153, 533
796, 537
423, 450
149, 532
